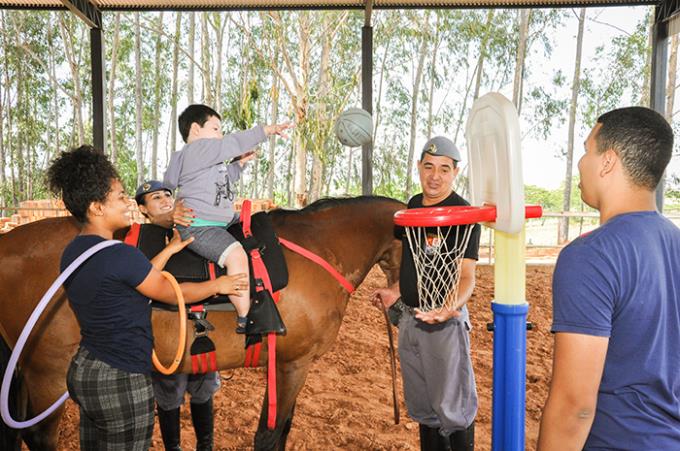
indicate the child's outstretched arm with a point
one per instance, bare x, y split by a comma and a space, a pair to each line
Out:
278, 129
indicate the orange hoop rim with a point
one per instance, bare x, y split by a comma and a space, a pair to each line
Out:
450, 216
181, 340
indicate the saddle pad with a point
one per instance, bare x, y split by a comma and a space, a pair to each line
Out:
188, 266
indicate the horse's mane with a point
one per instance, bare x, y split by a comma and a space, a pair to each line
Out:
331, 202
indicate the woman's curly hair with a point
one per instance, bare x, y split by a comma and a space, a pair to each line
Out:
81, 176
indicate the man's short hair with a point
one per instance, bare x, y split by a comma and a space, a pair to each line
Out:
643, 140
194, 113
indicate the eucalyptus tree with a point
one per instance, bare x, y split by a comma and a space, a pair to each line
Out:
563, 232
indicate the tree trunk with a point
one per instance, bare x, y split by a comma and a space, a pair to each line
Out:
55, 144
482, 52
645, 95
324, 89
219, 38
348, 182
75, 76
138, 101
422, 52
272, 139
563, 235
524, 18
301, 110
378, 105
205, 61
192, 40
157, 100
433, 76
110, 100
672, 76
173, 96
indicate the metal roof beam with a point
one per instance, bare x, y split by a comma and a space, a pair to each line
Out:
89, 13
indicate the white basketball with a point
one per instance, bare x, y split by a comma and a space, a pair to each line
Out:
354, 127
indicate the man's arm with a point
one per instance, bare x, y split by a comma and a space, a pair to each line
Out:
578, 363
386, 297
466, 286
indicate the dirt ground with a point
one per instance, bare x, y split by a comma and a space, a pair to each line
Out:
346, 403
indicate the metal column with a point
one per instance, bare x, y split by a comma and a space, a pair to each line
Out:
367, 97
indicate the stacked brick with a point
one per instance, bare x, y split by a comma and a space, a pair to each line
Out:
35, 210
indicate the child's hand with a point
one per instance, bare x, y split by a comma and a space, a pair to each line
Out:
176, 244
182, 215
246, 157
232, 284
278, 129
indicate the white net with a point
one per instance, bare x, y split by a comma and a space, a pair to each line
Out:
438, 256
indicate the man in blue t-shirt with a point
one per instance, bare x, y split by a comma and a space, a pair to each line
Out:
616, 300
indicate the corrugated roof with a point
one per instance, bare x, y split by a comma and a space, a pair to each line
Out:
312, 4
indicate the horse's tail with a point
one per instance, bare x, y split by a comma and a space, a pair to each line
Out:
10, 438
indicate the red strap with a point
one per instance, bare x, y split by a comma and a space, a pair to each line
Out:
245, 218
319, 261
271, 381
256, 353
211, 270
132, 237
197, 308
194, 364
204, 363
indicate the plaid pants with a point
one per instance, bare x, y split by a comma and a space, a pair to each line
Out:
116, 407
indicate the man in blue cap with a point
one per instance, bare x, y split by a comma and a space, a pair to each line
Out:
157, 203
434, 346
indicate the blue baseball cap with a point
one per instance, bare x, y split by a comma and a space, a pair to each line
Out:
150, 186
441, 146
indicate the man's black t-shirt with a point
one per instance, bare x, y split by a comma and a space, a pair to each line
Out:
408, 283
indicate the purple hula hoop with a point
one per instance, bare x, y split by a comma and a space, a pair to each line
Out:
21, 341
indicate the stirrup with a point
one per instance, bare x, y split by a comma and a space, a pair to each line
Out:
264, 316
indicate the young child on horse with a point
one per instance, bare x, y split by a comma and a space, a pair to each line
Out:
206, 185
109, 377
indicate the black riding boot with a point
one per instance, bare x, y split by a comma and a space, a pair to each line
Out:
202, 417
431, 439
169, 423
463, 440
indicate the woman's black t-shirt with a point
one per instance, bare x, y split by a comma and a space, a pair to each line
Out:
114, 318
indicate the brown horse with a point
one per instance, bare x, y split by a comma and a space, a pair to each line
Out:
351, 234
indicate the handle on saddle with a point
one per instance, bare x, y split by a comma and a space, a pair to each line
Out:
181, 341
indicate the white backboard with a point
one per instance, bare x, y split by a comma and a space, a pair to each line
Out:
495, 160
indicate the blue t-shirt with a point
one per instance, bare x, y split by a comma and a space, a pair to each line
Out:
622, 281
114, 318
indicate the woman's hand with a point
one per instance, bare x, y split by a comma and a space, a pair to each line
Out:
236, 284
182, 215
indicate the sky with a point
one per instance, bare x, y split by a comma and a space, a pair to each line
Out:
540, 164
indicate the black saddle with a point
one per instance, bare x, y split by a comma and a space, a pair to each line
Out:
188, 266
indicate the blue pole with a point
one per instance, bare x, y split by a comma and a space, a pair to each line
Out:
509, 376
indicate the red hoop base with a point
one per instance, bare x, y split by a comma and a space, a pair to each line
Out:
450, 216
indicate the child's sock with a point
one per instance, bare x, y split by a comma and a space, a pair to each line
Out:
241, 322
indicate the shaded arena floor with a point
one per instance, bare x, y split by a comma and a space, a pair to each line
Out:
347, 402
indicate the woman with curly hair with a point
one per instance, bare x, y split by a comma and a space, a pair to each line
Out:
109, 377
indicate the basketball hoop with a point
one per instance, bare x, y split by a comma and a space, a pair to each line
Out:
438, 238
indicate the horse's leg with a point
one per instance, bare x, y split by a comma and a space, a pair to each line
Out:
44, 435
10, 439
290, 377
